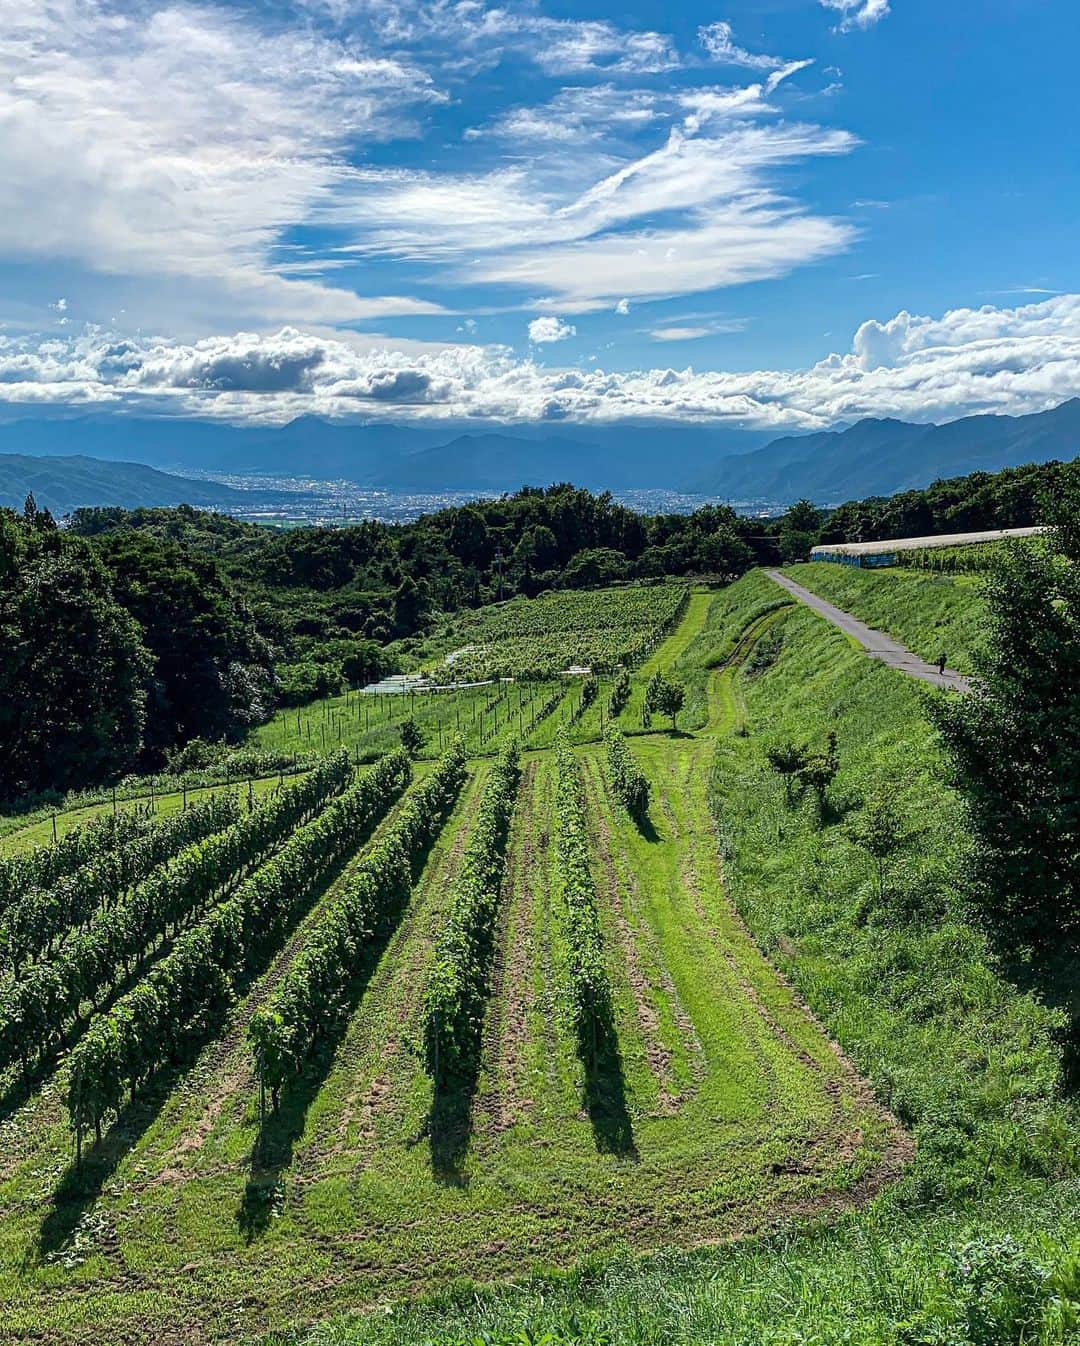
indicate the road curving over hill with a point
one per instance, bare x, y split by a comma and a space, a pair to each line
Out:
876, 644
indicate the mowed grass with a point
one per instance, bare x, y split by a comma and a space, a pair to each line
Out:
40, 832
928, 613
724, 1110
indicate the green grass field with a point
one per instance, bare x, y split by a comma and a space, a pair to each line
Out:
817, 1095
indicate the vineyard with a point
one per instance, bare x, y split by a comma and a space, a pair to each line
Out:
519, 672
394, 1021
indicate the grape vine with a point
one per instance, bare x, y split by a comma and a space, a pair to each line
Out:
34, 1011
313, 994
458, 984
198, 977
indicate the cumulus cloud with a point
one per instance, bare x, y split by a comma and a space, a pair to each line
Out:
544, 331
858, 13
917, 367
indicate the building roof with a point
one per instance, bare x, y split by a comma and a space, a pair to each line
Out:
896, 544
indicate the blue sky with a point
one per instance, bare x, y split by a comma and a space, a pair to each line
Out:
778, 214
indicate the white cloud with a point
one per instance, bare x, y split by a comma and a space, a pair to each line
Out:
679, 333
858, 13
577, 114
543, 331
718, 39
179, 140
460, 34
915, 367
622, 308
570, 243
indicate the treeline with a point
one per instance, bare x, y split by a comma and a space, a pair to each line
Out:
1016, 497
128, 634
329, 600
115, 653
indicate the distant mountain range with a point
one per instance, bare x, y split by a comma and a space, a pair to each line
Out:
63, 484
881, 457
469, 457
871, 457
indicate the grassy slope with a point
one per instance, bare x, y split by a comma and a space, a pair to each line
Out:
727, 1110
928, 613
910, 988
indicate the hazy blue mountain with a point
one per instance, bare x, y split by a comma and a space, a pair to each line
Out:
871, 457
394, 456
63, 484
879, 457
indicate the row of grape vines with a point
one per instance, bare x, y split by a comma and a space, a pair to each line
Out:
628, 781
314, 992
458, 985
45, 866
538, 638
41, 917
590, 990
35, 1010
179, 996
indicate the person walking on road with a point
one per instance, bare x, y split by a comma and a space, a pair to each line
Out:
942, 659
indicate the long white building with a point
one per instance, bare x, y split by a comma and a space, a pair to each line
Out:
886, 553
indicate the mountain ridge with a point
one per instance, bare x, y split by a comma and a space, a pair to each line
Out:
61, 484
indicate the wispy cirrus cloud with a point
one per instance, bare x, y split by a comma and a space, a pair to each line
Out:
577, 245
182, 140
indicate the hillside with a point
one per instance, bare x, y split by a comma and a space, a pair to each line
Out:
699, 1098
927, 613
428, 457
63, 484
870, 458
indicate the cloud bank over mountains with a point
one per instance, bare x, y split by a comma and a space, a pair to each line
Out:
913, 367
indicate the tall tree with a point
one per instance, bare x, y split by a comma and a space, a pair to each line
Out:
73, 671
1014, 741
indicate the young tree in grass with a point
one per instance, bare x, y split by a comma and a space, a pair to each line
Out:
819, 772
664, 697
412, 736
879, 830
1014, 741
789, 761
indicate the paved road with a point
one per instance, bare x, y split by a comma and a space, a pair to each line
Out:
876, 644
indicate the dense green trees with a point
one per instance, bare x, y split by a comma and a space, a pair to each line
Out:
212, 672
116, 651
74, 670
